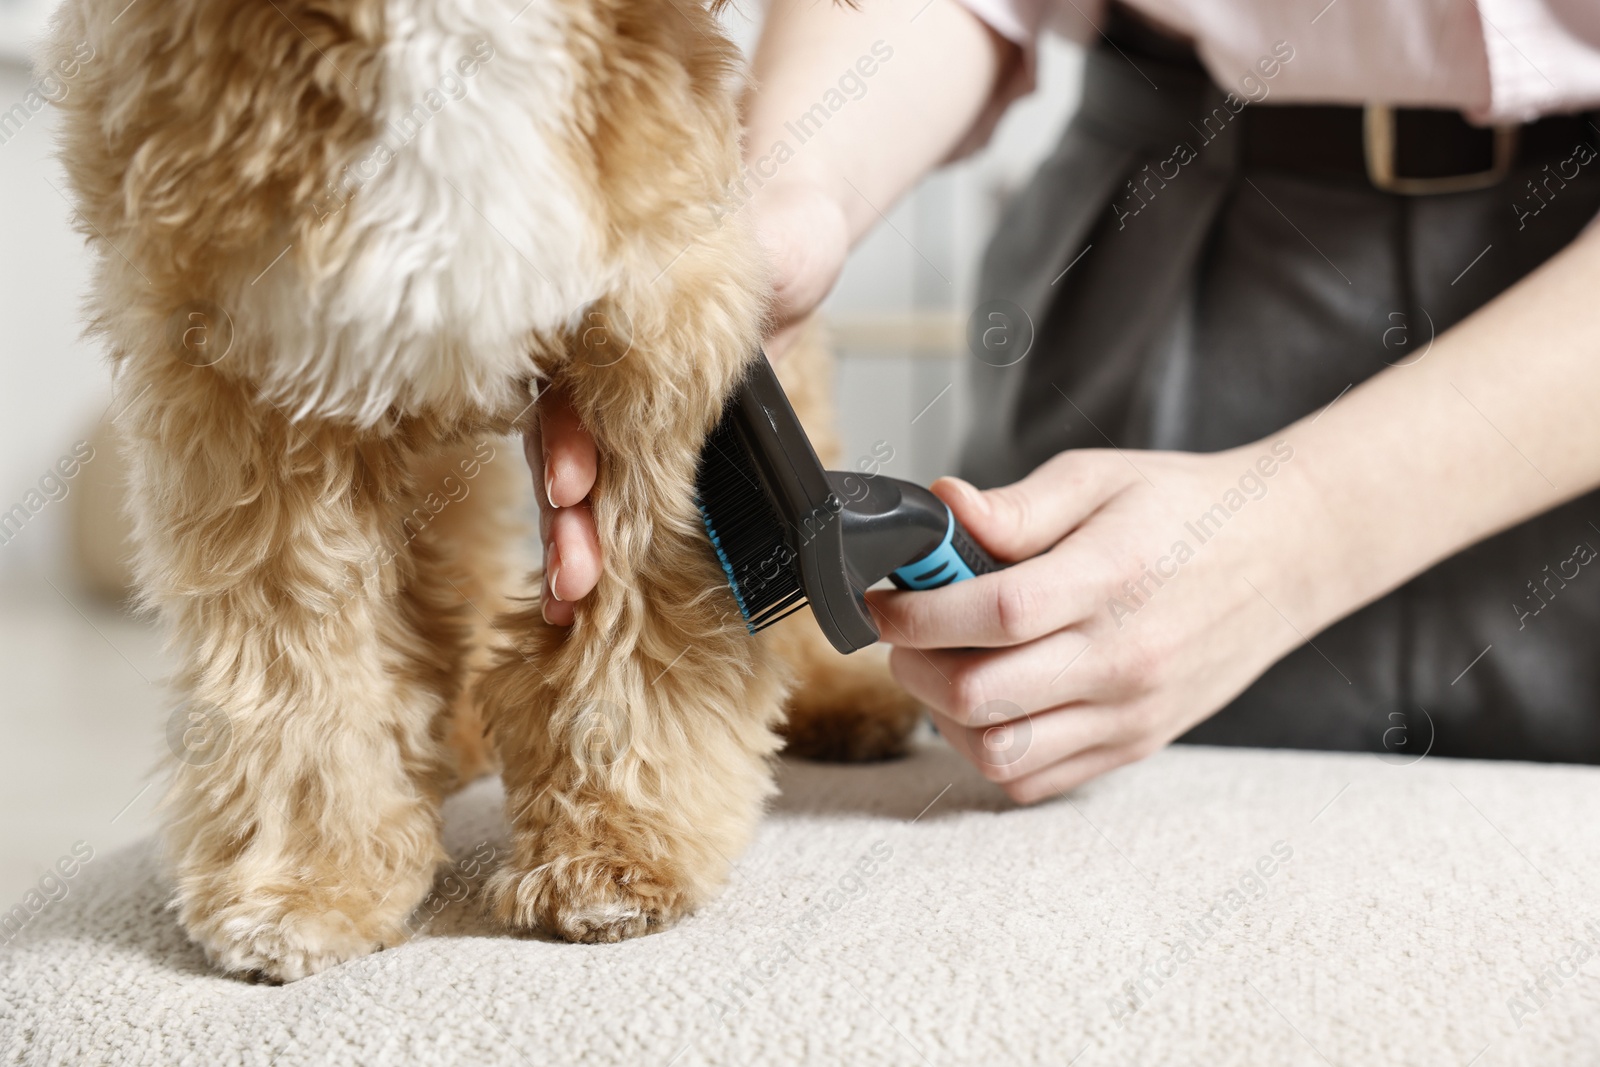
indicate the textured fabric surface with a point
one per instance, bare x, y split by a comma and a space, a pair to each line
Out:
907, 914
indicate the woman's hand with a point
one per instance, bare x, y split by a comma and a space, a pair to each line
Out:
1147, 597
806, 237
803, 231
1404, 470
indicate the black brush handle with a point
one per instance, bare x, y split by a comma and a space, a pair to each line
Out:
900, 531
956, 558
978, 560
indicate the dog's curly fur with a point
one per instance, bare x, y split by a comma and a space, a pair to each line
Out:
397, 218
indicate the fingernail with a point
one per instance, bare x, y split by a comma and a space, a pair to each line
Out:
550, 482
555, 574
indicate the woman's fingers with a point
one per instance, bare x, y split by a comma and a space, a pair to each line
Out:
571, 560
556, 612
1012, 749
963, 684
1039, 595
569, 458
1023, 519
573, 573
1021, 603
567, 569
564, 461
1060, 778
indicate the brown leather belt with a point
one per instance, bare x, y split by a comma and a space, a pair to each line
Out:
1411, 151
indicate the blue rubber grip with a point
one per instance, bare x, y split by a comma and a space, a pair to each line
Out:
943, 566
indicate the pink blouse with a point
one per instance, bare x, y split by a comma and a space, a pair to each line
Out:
1495, 60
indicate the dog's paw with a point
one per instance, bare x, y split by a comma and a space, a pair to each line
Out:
842, 735
873, 722
589, 899
284, 943
846, 710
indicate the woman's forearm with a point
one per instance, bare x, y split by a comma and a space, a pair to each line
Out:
1498, 422
861, 102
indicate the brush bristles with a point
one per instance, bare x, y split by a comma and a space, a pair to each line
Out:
746, 531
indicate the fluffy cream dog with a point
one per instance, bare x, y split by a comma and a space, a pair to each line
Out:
341, 244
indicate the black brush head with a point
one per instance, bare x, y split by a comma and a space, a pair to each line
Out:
747, 533
774, 518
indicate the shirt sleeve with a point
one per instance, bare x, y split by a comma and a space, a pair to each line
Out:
1021, 22
1018, 21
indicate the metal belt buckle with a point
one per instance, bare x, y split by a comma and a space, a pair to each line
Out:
1378, 129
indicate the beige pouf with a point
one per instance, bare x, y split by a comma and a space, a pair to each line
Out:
1208, 906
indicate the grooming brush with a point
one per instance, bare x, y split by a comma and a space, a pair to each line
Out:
789, 533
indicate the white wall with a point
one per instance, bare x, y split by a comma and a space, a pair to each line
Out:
53, 384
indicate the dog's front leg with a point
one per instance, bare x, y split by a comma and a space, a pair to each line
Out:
302, 818
636, 744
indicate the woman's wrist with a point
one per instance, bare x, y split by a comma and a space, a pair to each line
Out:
806, 236
1294, 550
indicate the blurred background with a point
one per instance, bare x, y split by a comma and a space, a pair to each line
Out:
83, 709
